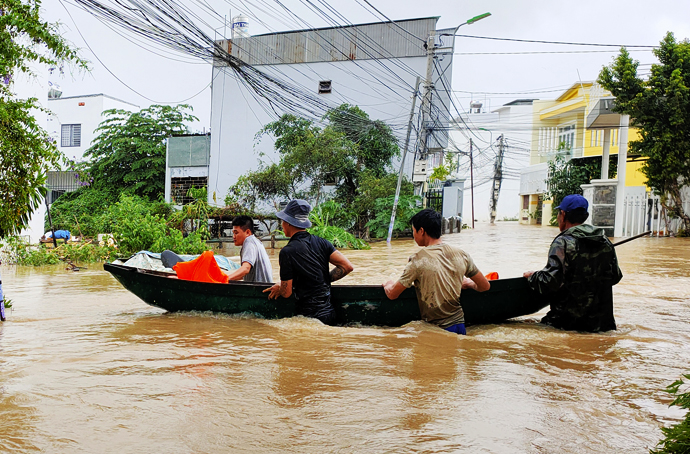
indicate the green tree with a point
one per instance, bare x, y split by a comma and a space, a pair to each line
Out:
352, 152
129, 152
659, 108
26, 149
567, 177
376, 143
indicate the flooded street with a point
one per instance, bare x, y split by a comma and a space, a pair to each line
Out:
85, 366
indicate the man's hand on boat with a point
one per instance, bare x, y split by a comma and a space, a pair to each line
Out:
281, 288
527, 274
468, 283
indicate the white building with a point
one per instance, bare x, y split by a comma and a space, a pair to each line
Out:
74, 119
72, 123
373, 66
513, 121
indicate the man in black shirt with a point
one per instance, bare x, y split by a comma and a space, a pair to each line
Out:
304, 265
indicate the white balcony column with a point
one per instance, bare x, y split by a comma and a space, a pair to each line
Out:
605, 155
620, 188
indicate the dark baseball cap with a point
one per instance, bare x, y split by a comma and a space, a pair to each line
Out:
573, 202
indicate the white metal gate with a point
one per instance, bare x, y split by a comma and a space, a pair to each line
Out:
643, 211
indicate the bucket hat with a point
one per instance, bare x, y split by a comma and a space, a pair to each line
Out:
296, 213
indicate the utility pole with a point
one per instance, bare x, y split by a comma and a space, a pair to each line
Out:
426, 111
472, 182
498, 178
426, 100
402, 162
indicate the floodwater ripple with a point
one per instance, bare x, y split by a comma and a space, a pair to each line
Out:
87, 367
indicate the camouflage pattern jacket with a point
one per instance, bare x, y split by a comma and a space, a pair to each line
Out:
578, 278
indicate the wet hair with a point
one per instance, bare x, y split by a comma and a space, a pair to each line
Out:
243, 222
429, 220
576, 216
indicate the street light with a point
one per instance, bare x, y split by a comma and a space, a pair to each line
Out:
477, 18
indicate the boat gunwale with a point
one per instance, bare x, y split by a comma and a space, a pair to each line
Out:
168, 275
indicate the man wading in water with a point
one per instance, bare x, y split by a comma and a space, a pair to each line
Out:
438, 273
580, 273
304, 265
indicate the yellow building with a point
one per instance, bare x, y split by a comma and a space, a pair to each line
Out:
574, 126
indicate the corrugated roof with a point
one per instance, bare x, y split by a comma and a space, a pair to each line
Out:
356, 42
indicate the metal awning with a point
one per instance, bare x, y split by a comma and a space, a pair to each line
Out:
602, 116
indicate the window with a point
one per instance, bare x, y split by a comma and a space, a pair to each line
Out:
324, 87
71, 135
566, 135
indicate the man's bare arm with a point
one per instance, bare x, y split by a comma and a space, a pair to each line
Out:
240, 272
343, 267
393, 289
482, 283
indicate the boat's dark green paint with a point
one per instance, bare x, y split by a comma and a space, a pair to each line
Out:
355, 304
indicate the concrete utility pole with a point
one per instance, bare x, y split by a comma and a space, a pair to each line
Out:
426, 114
498, 178
426, 99
472, 181
402, 162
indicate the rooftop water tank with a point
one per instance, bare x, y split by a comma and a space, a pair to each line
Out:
476, 107
240, 26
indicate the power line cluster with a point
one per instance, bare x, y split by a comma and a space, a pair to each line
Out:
173, 28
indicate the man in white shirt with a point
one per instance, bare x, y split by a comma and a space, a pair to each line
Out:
256, 267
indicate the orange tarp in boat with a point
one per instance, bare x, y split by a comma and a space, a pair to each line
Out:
492, 276
202, 269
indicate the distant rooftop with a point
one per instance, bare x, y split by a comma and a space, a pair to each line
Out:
95, 95
521, 102
376, 40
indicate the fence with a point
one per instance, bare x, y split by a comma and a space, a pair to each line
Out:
434, 196
643, 211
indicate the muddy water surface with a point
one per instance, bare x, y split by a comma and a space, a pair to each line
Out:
87, 367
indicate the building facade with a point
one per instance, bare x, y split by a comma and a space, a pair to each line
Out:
373, 66
74, 119
573, 126
511, 121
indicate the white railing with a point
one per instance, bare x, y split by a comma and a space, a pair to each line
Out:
634, 211
643, 211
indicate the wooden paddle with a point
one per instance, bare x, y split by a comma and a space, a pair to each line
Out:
632, 238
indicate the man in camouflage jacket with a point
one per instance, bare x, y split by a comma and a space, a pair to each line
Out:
581, 271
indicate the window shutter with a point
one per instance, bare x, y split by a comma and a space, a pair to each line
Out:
76, 135
65, 135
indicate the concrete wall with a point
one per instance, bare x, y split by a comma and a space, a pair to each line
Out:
237, 115
84, 110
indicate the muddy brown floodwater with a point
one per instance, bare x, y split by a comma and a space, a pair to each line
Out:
87, 367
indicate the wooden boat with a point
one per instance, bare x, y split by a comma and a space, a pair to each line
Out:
354, 304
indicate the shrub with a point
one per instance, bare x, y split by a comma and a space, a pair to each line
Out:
677, 437
82, 211
322, 216
408, 206
85, 253
135, 228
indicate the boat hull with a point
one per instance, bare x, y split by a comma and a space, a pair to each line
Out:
354, 304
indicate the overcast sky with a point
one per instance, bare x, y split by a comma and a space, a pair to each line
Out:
172, 78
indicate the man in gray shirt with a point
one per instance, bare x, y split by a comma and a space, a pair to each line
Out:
255, 267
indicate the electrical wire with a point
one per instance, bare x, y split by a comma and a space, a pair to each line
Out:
556, 42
